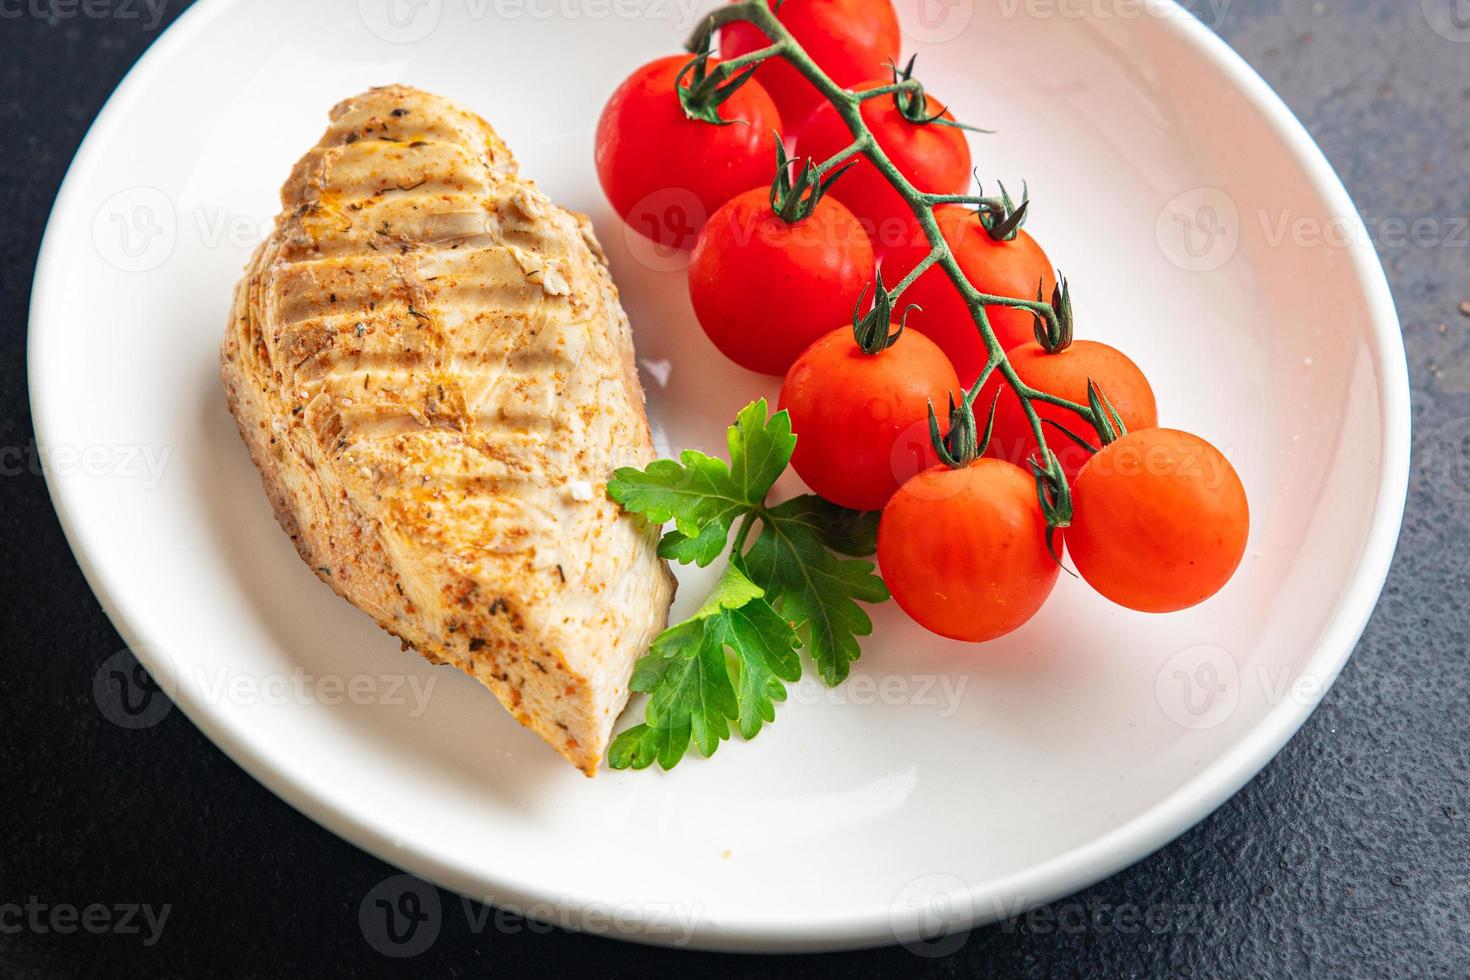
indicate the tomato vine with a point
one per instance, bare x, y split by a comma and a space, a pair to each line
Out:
1053, 318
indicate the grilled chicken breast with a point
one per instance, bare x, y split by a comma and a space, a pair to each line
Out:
429, 364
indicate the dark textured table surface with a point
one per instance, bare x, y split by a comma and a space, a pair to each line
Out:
1348, 856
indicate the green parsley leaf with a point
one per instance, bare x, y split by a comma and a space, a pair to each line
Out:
765, 657
701, 549
703, 495
812, 587
850, 532
731, 661
693, 681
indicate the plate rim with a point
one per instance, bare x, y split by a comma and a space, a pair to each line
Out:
1064, 874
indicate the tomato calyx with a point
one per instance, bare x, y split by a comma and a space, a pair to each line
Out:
912, 103
963, 445
1054, 335
1055, 497
707, 90
795, 198
1106, 420
874, 329
1003, 226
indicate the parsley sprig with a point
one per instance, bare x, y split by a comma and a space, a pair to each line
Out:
789, 588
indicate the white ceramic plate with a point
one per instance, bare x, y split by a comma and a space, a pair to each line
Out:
946, 785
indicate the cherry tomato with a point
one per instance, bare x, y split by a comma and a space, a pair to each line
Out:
664, 172
1159, 521
862, 420
764, 289
850, 40
1005, 268
1065, 374
934, 157
964, 550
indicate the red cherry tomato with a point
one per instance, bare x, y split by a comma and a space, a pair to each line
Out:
964, 550
1159, 521
764, 289
1006, 268
862, 420
1065, 374
666, 173
850, 40
934, 157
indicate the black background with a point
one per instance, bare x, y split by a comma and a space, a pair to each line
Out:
1347, 856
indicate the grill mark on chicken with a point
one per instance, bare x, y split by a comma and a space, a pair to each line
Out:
423, 357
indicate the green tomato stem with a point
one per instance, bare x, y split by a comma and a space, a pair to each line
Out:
916, 272
728, 68
841, 156
907, 85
